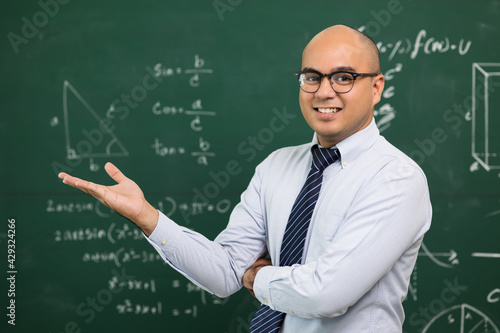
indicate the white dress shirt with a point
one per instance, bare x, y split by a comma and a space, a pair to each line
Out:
361, 247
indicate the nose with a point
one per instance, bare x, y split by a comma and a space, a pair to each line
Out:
325, 89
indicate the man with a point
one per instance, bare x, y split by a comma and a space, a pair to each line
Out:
365, 225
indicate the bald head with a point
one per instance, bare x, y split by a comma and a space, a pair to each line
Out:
332, 35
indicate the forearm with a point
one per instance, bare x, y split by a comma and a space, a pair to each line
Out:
204, 262
317, 289
217, 266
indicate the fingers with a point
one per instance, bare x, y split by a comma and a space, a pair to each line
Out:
251, 272
114, 172
67, 179
87, 187
62, 175
248, 279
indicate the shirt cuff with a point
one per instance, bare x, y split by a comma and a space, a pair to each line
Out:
261, 284
263, 291
164, 236
166, 239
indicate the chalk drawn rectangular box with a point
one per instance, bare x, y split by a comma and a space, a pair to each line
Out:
486, 114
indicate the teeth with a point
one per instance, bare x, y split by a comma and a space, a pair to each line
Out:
328, 110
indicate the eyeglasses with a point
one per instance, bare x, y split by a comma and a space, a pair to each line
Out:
341, 81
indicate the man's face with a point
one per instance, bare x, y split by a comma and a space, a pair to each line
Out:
354, 110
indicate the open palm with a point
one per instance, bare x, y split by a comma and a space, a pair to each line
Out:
126, 198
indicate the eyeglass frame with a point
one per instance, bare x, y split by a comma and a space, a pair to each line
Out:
321, 75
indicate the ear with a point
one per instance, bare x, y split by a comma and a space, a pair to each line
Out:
378, 87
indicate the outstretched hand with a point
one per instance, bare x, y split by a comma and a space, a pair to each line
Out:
126, 198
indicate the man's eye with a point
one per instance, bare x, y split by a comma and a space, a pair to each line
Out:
312, 78
342, 78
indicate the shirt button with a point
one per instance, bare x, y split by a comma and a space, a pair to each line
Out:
266, 300
163, 242
344, 164
291, 312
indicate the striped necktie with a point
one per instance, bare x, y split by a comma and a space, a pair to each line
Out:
267, 320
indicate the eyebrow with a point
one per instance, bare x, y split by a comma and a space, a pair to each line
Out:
335, 69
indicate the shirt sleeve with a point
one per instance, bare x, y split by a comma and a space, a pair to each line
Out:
385, 223
216, 266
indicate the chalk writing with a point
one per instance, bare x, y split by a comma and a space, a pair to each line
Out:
70, 207
423, 44
412, 287
192, 288
201, 156
485, 140
162, 70
116, 283
452, 257
386, 112
77, 208
139, 309
80, 234
486, 255
162, 150
461, 318
193, 311
170, 206
494, 296
196, 110
99, 141
121, 256
112, 233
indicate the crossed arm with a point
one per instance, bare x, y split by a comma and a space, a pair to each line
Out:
127, 199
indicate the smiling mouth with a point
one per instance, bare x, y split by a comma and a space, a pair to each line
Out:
328, 110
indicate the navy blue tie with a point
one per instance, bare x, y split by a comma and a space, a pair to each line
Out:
267, 320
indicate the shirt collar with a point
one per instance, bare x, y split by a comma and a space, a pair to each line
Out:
356, 144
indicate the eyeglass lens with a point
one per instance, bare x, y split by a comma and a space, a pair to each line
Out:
341, 82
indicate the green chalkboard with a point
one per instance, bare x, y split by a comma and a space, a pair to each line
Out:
173, 93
